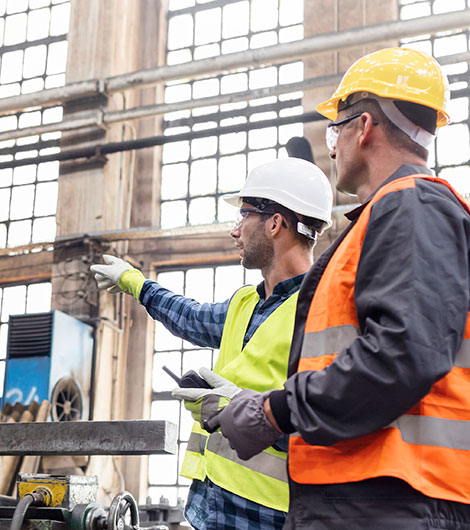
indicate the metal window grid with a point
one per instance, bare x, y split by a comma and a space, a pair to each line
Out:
29, 225
445, 159
213, 117
182, 356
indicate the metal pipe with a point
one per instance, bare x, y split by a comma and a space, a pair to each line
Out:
102, 118
318, 43
51, 96
315, 44
454, 58
152, 141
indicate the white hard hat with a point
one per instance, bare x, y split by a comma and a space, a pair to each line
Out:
300, 186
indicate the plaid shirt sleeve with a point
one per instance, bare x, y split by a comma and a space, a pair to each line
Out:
200, 324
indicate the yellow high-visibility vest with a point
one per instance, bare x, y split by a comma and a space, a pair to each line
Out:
261, 365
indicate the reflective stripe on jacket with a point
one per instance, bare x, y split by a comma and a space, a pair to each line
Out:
429, 446
261, 365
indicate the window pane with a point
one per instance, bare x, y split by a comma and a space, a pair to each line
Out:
173, 214
38, 24
44, 229
46, 199
14, 300
19, 233
39, 298
22, 202
203, 179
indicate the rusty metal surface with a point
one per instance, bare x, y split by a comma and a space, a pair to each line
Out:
136, 437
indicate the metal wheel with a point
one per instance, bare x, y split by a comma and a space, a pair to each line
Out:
123, 512
66, 400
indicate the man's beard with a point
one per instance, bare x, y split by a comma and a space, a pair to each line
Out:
258, 253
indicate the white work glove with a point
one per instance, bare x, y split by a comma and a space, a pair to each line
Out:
203, 403
112, 277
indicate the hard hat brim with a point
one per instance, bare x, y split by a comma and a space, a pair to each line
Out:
233, 199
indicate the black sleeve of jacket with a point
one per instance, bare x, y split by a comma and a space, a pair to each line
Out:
412, 298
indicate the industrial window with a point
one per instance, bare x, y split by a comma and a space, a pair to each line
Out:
196, 172
204, 285
450, 153
18, 300
33, 54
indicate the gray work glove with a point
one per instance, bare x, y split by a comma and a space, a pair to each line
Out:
203, 403
244, 423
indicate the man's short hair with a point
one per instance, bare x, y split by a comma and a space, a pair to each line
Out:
293, 218
424, 117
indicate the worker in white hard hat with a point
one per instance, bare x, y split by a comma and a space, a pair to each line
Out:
282, 207
377, 403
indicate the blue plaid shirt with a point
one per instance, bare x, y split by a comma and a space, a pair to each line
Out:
203, 324
210, 507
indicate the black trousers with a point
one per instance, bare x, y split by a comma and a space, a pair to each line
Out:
383, 503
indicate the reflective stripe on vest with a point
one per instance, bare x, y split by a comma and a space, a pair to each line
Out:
271, 465
331, 340
197, 442
437, 432
261, 365
429, 447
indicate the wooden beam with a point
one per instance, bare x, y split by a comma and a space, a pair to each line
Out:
26, 268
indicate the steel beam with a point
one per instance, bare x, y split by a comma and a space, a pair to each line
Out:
135, 437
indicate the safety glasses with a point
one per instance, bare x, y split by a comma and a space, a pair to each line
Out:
243, 213
333, 129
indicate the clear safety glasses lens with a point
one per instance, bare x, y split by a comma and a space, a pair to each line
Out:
333, 130
242, 214
332, 134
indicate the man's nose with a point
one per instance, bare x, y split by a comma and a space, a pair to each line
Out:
235, 232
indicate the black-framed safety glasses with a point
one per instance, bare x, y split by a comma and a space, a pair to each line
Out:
243, 213
333, 129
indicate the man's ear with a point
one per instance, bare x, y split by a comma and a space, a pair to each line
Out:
275, 224
367, 125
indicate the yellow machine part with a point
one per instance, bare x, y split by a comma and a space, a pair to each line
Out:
56, 487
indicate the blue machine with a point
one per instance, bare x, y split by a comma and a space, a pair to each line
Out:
49, 356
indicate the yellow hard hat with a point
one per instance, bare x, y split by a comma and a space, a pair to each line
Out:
395, 73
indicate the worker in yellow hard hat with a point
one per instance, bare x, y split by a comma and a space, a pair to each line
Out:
377, 402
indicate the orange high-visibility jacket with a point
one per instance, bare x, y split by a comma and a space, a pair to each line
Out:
429, 446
